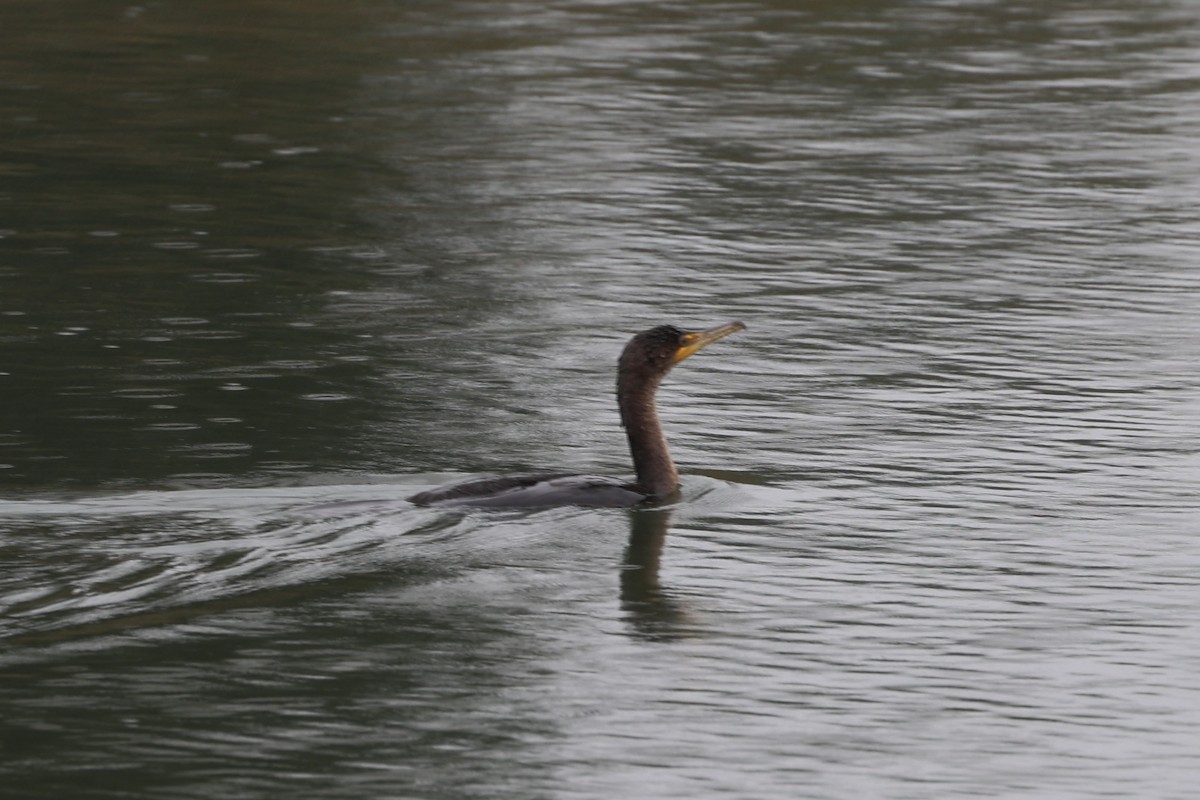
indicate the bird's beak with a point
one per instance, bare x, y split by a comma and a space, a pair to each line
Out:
692, 342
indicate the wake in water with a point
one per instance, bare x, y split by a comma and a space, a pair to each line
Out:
84, 566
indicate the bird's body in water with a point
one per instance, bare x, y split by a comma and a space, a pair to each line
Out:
647, 358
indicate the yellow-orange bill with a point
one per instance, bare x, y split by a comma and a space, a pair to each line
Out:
694, 341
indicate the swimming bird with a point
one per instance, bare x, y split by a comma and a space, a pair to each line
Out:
644, 362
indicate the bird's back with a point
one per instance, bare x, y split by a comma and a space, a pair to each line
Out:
535, 490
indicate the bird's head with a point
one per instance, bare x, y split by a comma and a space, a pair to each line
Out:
655, 351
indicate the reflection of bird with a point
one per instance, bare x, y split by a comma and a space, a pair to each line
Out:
647, 358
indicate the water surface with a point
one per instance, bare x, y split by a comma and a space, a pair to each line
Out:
267, 269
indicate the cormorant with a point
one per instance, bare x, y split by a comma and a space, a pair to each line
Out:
644, 362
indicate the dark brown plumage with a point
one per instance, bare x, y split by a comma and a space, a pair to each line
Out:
644, 362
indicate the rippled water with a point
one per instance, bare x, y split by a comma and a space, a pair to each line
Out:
267, 269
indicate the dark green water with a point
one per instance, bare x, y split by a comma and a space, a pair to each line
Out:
267, 268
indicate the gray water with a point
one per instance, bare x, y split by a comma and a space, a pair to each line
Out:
266, 268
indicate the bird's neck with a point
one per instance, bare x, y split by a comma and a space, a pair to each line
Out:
651, 459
